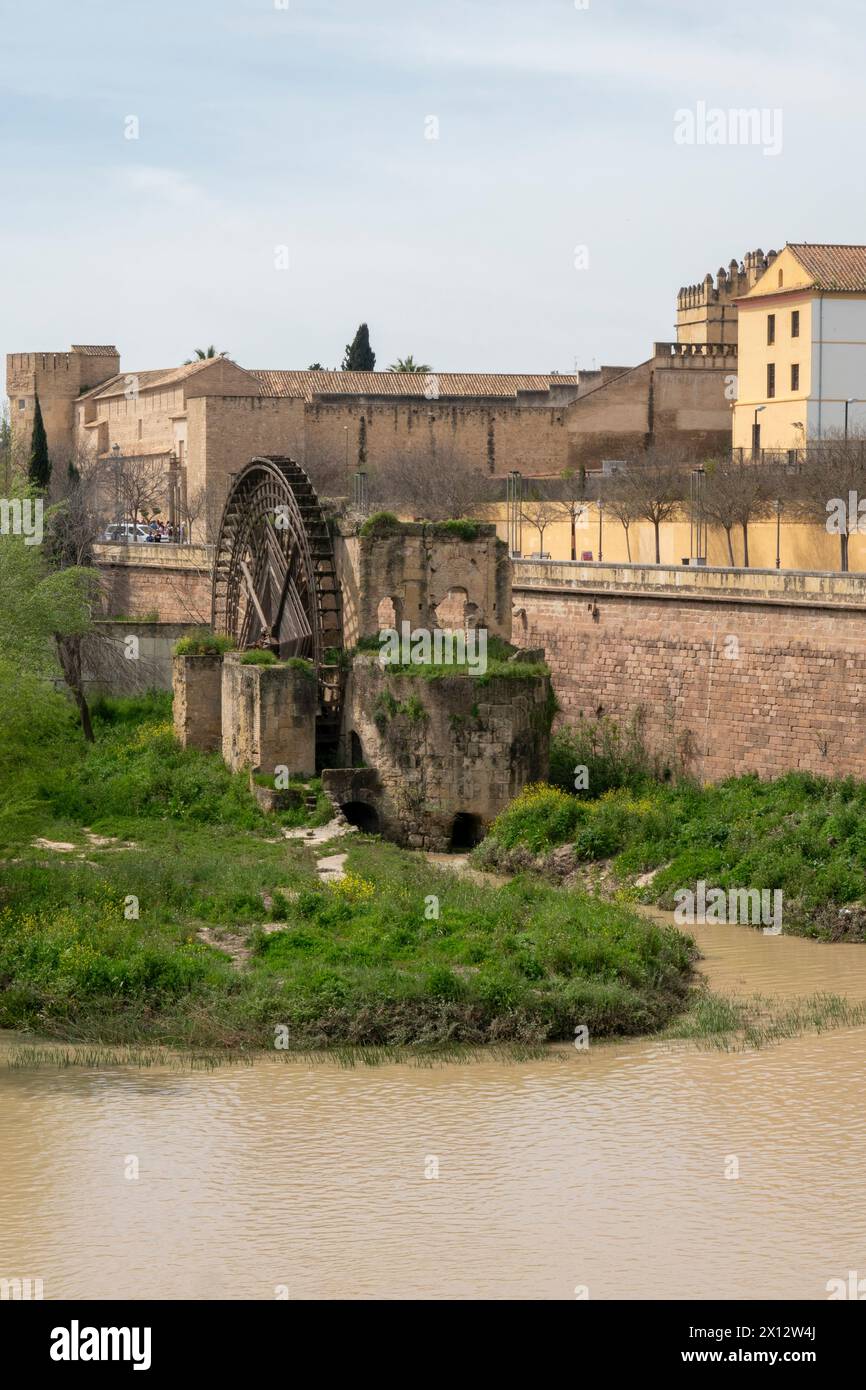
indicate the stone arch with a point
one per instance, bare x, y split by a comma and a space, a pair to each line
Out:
356, 750
389, 614
457, 611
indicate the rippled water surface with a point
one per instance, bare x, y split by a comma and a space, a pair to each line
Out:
604, 1168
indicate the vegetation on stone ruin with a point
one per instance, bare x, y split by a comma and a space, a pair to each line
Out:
380, 524
135, 819
802, 834
387, 523
461, 527
203, 644
258, 656
498, 664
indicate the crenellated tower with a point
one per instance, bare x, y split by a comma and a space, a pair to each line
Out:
58, 378
707, 312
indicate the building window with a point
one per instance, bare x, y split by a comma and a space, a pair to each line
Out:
795, 376
771, 328
795, 323
781, 277
22, 405
771, 380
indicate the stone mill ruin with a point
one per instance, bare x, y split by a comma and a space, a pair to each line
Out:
426, 755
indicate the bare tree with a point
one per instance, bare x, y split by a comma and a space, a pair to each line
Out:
830, 486
736, 494
620, 500
142, 484
571, 502
652, 490
539, 513
433, 485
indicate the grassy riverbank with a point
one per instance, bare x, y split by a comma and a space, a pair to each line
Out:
145, 898
802, 834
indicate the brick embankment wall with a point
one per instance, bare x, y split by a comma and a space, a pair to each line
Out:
724, 686
170, 584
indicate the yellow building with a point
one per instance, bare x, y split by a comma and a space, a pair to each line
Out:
802, 349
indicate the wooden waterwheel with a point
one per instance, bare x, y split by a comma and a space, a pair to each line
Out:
275, 582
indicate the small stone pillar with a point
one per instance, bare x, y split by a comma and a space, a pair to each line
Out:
269, 716
197, 706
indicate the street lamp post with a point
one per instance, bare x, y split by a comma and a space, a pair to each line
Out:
755, 435
698, 529
600, 525
778, 505
115, 454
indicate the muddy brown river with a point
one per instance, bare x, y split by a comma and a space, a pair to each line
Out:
609, 1170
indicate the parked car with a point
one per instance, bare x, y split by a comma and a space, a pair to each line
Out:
124, 532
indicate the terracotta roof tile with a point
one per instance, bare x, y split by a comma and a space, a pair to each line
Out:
149, 380
449, 385
832, 267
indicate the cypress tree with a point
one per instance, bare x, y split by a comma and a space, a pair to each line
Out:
360, 357
39, 470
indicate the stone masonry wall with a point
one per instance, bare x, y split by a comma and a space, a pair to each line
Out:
268, 717
725, 686
417, 568
169, 583
197, 703
488, 438
441, 747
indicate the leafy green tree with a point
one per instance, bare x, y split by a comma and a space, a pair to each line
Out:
6, 449
46, 612
39, 469
410, 366
360, 357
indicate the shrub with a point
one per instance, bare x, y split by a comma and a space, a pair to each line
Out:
203, 644
258, 656
381, 524
613, 756
539, 818
462, 527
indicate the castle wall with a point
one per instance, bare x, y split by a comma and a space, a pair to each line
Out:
486, 438
676, 398
140, 423
225, 432
58, 378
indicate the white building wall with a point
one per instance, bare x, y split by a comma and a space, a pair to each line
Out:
838, 365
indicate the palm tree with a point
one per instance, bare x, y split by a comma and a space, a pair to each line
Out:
409, 365
202, 355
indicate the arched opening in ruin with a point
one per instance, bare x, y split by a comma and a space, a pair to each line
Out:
466, 831
362, 815
356, 750
389, 613
455, 612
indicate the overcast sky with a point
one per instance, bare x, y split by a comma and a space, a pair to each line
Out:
262, 127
